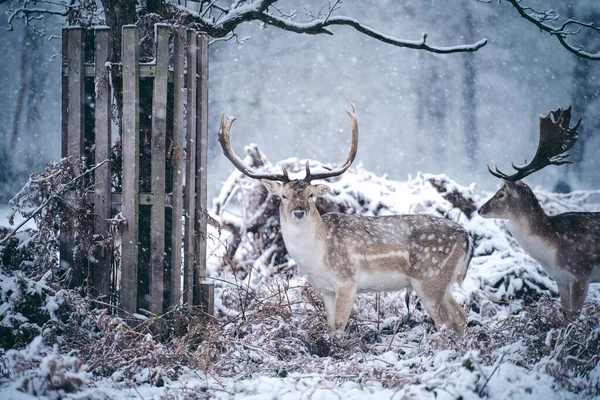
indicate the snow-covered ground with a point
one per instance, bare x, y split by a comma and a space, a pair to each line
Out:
269, 339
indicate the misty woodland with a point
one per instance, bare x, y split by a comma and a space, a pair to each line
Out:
364, 227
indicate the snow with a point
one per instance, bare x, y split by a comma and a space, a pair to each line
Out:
259, 351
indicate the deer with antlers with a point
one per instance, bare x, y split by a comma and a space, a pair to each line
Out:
342, 255
566, 245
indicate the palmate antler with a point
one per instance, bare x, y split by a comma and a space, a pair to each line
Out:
556, 138
225, 141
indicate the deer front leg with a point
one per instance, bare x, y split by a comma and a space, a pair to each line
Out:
329, 302
564, 291
578, 290
345, 294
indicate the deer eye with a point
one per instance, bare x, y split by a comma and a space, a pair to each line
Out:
283, 196
500, 195
311, 196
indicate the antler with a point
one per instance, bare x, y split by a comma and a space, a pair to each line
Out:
353, 149
556, 138
225, 141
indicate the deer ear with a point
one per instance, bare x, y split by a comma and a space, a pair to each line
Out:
274, 187
320, 190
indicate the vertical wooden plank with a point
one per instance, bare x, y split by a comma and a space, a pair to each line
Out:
206, 288
65, 92
159, 131
178, 137
76, 95
190, 178
102, 189
131, 143
72, 134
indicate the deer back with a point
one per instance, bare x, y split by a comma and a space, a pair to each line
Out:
413, 247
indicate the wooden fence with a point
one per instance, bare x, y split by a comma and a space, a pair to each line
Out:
163, 151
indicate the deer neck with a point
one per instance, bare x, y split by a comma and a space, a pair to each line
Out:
304, 239
530, 220
532, 228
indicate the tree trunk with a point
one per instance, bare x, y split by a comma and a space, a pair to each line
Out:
471, 135
117, 14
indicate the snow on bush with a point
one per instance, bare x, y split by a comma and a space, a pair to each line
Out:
269, 335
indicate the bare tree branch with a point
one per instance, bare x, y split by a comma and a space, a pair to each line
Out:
545, 21
230, 19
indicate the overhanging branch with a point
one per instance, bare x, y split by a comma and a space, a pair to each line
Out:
230, 19
545, 20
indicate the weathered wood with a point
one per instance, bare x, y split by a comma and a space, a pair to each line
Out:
131, 143
206, 288
190, 178
76, 95
159, 131
65, 92
178, 164
102, 189
146, 71
73, 130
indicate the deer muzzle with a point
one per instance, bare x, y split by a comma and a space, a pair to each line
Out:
298, 213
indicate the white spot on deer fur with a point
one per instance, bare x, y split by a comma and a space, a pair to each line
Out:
422, 237
426, 249
445, 260
374, 257
434, 260
431, 236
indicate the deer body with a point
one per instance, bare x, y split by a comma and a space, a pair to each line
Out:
342, 255
566, 245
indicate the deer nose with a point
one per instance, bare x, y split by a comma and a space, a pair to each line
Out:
298, 214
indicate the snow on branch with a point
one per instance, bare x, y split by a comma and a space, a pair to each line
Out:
226, 20
547, 21
28, 14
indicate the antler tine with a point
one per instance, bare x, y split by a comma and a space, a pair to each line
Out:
351, 154
556, 138
497, 173
225, 141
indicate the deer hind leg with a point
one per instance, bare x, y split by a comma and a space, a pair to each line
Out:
442, 307
344, 300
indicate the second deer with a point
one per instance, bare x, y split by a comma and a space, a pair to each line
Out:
342, 255
566, 245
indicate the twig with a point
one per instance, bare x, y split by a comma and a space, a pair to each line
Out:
492, 374
49, 199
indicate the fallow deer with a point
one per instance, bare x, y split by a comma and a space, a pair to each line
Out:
566, 245
342, 255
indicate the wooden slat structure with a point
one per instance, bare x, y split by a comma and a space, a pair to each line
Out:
178, 160
102, 183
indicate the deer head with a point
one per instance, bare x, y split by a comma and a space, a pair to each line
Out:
515, 199
297, 195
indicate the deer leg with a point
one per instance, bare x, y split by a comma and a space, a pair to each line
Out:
329, 302
344, 300
430, 300
456, 314
578, 290
564, 291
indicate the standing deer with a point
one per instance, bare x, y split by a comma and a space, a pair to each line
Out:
342, 255
566, 245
